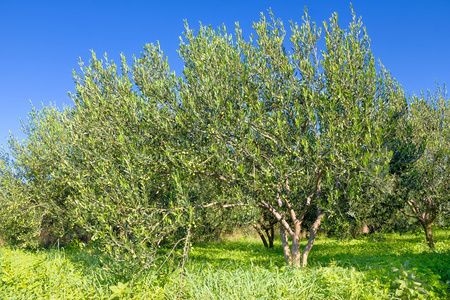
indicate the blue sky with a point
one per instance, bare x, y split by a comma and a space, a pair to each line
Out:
41, 41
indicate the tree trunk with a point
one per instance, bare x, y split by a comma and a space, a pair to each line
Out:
296, 250
425, 218
285, 243
217, 236
261, 235
312, 238
271, 235
428, 234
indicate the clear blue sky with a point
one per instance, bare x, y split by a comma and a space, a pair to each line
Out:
41, 41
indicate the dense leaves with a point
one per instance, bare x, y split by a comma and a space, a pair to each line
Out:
37, 194
252, 133
421, 163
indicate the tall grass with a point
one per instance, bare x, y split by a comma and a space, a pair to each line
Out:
51, 274
254, 282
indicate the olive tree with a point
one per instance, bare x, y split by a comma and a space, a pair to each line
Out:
280, 128
420, 163
286, 132
36, 206
131, 199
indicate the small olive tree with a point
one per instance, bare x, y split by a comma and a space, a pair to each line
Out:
36, 206
420, 163
131, 198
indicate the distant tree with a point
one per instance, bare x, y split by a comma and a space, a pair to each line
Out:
36, 192
265, 227
421, 160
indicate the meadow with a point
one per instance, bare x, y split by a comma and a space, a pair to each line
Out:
378, 266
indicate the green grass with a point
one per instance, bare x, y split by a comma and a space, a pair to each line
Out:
241, 268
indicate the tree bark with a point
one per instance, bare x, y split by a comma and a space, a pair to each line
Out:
296, 243
428, 234
312, 238
285, 243
296, 250
261, 235
270, 235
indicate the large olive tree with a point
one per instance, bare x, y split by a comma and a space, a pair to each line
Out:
288, 132
282, 129
131, 198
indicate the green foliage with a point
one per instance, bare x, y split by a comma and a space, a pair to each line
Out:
407, 285
36, 190
420, 162
41, 275
301, 134
121, 290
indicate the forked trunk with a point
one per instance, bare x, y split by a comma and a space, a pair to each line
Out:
426, 218
294, 257
312, 238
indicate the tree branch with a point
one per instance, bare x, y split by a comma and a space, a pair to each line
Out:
277, 215
414, 207
221, 205
409, 215
309, 199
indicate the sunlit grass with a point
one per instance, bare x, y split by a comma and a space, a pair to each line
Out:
240, 268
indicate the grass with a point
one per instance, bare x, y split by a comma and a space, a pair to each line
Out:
381, 266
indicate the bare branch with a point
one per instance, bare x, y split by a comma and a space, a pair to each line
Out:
221, 205
414, 207
206, 205
277, 215
279, 200
234, 205
206, 160
409, 215
268, 162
